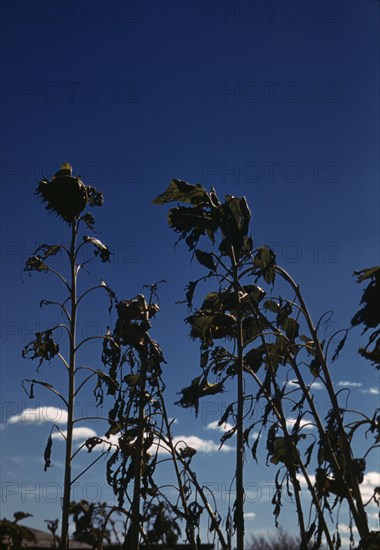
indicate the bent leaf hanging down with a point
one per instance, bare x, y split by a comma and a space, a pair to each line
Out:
42, 347
369, 314
180, 191
199, 388
101, 249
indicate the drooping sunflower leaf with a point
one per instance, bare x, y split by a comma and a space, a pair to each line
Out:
372, 355
192, 222
264, 261
206, 259
367, 273
369, 314
271, 305
241, 213
254, 358
198, 388
101, 249
46, 250
89, 220
339, 347
291, 328
180, 191
315, 366
190, 289
35, 263
47, 453
252, 328
43, 347
94, 197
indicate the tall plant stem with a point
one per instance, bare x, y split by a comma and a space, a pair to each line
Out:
189, 527
357, 511
239, 503
280, 416
133, 536
64, 545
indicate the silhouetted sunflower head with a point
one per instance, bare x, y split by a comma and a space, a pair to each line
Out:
67, 196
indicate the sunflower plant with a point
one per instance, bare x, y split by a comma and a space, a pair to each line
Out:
267, 349
67, 197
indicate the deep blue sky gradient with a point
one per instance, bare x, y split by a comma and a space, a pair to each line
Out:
277, 101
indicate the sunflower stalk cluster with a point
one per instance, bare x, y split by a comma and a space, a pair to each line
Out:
139, 435
268, 348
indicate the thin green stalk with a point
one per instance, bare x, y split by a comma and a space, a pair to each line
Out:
189, 528
357, 511
239, 503
301, 464
64, 545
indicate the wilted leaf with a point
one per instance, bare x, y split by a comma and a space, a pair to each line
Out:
372, 355
271, 305
94, 197
35, 263
180, 191
47, 453
187, 452
192, 222
254, 293
92, 442
368, 273
89, 220
265, 260
254, 359
101, 249
252, 328
198, 389
43, 347
315, 367
205, 259
339, 347
369, 314
291, 328
190, 289
46, 250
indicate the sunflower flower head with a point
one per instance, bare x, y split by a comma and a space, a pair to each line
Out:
67, 196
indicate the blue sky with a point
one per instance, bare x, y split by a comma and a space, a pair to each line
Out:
277, 101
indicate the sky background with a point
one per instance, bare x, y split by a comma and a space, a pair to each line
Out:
277, 101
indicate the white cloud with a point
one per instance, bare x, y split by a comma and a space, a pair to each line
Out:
201, 445
180, 442
249, 515
315, 385
348, 384
40, 415
370, 481
291, 421
223, 428
302, 480
371, 391
78, 433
